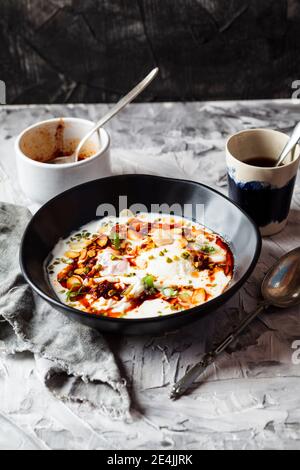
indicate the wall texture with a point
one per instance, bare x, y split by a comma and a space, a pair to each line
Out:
95, 50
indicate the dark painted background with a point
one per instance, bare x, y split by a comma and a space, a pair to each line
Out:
95, 50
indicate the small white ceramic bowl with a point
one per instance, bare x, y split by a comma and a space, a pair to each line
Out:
41, 181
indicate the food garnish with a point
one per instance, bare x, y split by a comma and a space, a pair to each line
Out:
139, 266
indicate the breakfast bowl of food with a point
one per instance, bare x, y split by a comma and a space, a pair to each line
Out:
139, 254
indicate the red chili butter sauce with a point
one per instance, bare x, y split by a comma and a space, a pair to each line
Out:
65, 148
134, 303
229, 256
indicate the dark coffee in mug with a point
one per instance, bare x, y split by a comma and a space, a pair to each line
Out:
262, 162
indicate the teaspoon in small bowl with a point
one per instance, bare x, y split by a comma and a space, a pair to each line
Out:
280, 288
111, 113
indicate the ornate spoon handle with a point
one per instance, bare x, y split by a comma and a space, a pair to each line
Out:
189, 378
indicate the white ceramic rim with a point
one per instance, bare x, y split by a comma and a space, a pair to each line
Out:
103, 133
261, 130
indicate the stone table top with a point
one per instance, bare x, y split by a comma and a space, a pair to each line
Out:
250, 397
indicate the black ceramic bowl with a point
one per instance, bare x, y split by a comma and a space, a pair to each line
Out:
78, 206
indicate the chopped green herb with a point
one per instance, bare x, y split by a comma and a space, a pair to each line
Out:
115, 257
169, 292
169, 260
67, 261
208, 249
71, 295
185, 255
116, 241
148, 282
151, 257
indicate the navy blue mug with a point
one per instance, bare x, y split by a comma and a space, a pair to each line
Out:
263, 191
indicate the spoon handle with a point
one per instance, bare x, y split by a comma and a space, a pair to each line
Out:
293, 141
189, 378
118, 107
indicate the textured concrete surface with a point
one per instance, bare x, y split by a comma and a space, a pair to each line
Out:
250, 397
95, 50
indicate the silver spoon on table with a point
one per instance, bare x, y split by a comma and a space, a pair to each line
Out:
280, 288
111, 113
291, 144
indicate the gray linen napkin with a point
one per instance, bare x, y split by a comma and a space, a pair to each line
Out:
74, 361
